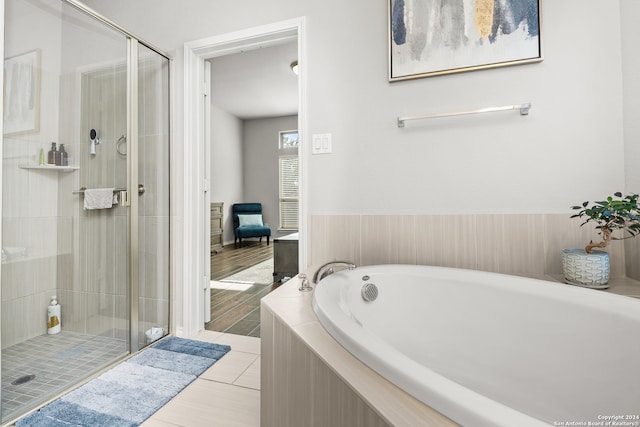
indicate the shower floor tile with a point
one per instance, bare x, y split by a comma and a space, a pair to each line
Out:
57, 361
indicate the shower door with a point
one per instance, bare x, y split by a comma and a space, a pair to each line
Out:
86, 83
129, 101
134, 158
152, 212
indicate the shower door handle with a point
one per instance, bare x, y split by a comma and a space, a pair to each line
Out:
124, 198
124, 195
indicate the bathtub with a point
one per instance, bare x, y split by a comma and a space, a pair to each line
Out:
489, 349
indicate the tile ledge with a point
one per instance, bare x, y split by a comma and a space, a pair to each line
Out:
397, 407
624, 286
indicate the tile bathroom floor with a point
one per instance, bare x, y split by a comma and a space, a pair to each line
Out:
227, 394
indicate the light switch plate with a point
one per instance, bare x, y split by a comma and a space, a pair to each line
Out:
321, 143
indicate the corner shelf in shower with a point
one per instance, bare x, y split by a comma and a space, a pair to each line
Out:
50, 168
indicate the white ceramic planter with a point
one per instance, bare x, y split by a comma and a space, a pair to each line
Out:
588, 270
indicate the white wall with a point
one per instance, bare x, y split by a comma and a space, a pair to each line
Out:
501, 163
569, 149
226, 165
629, 13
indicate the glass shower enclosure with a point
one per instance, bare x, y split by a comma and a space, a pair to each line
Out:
87, 222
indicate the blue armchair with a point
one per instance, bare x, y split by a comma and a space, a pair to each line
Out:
248, 222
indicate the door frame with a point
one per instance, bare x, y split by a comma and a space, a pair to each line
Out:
195, 214
206, 249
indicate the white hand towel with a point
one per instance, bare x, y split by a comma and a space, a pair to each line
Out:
98, 198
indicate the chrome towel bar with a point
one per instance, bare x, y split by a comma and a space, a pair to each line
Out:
523, 108
141, 190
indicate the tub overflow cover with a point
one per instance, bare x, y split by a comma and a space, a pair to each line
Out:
369, 292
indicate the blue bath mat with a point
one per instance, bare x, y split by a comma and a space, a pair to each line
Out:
131, 392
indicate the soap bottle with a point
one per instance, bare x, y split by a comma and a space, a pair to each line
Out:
53, 317
51, 155
64, 156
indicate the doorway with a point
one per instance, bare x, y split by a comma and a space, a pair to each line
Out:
254, 100
196, 53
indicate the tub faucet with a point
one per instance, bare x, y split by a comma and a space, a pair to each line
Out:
328, 268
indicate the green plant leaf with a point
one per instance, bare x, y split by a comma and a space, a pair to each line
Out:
621, 214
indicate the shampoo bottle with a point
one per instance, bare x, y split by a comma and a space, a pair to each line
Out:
53, 317
51, 155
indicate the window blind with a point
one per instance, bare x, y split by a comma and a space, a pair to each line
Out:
289, 192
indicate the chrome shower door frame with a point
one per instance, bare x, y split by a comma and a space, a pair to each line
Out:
132, 197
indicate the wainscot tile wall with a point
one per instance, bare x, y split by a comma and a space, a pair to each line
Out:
81, 256
632, 255
520, 244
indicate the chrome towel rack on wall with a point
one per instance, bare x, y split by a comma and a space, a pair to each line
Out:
141, 190
522, 108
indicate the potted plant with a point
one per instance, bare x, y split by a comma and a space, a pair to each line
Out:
590, 267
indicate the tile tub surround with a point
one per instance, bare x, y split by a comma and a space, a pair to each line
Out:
632, 253
520, 244
305, 373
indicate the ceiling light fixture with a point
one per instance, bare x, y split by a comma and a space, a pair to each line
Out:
294, 67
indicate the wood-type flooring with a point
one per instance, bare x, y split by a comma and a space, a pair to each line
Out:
238, 311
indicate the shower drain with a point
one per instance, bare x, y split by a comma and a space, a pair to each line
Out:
23, 379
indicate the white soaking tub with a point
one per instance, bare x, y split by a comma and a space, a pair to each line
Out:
489, 349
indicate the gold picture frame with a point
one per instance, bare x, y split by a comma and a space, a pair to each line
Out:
431, 38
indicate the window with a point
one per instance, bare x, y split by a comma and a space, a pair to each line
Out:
289, 192
288, 139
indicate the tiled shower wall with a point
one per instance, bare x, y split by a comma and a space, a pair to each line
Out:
81, 256
520, 244
30, 204
93, 245
29, 226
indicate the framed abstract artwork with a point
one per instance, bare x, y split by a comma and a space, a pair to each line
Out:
22, 93
436, 37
